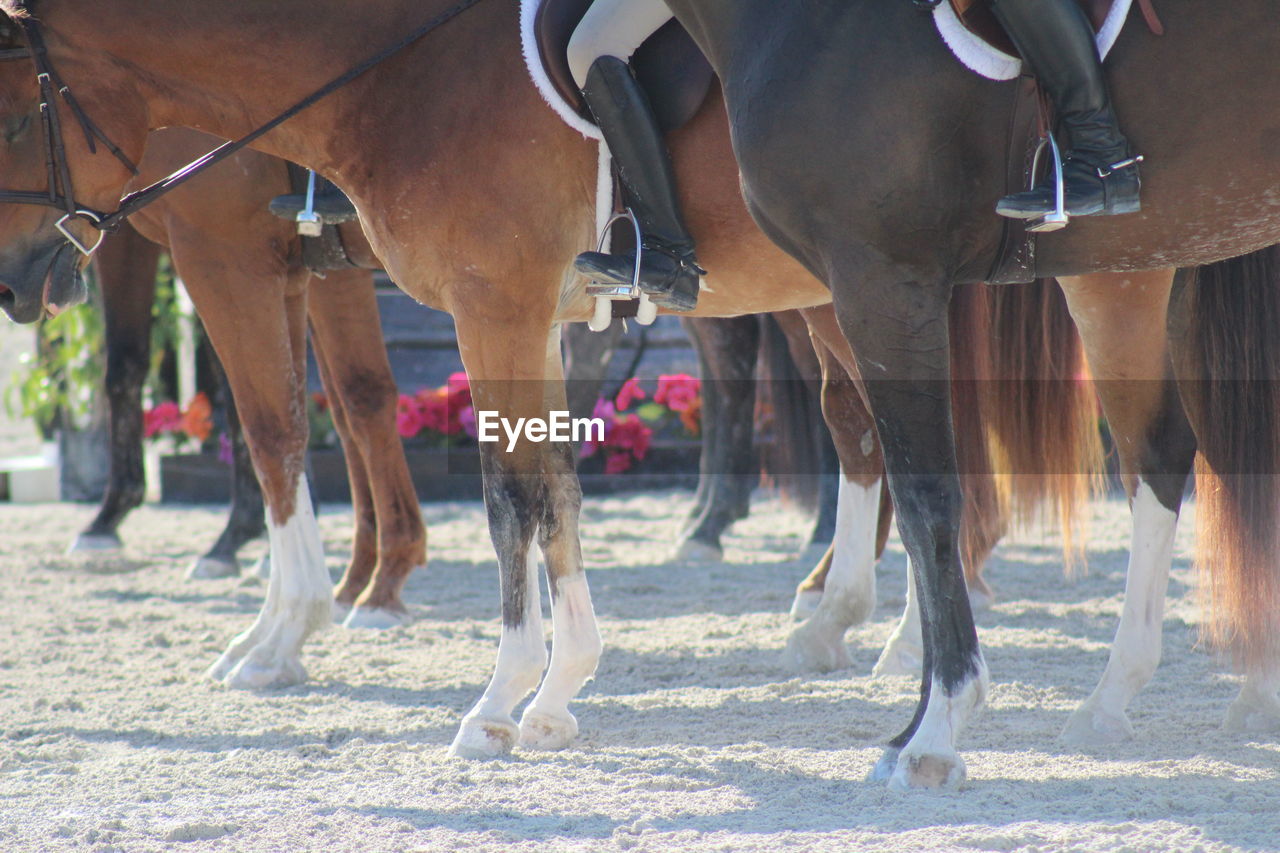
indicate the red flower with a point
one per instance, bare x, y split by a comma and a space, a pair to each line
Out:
434, 413
321, 401
677, 392
631, 434
459, 391
628, 393
692, 417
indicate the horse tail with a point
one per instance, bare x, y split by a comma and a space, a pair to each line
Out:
1042, 412
1231, 342
790, 404
985, 514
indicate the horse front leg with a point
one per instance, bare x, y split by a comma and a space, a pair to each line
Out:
259, 333
390, 539
127, 269
897, 327
1121, 318
530, 490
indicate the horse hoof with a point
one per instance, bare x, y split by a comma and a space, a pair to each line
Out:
252, 674
1253, 714
485, 737
929, 770
693, 551
805, 603
262, 568
898, 659
811, 649
341, 610
546, 731
1090, 726
95, 543
211, 568
884, 768
363, 617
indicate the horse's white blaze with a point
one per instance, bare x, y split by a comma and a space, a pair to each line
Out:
575, 650
904, 653
298, 603
488, 729
930, 759
849, 594
1135, 653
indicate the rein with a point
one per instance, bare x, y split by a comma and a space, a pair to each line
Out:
60, 194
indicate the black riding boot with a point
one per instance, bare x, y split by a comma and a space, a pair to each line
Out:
1100, 174
669, 272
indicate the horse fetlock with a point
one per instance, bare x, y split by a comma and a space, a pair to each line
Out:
900, 657
485, 736
805, 603
818, 646
547, 730
1253, 711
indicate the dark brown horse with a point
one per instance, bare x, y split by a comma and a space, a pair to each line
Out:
826, 88
519, 206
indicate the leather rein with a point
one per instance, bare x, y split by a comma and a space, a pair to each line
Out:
60, 193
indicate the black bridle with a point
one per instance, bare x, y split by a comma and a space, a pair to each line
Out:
61, 195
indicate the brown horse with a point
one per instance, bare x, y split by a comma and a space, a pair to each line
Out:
516, 207
242, 268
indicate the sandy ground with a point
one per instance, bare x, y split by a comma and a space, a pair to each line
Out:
694, 734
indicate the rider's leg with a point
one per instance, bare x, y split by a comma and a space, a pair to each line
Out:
610, 32
1100, 174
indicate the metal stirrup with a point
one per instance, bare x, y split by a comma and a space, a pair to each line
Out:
1058, 217
606, 294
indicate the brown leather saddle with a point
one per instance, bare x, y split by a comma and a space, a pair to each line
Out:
977, 18
670, 67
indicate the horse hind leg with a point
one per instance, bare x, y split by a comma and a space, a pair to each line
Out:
1121, 318
390, 538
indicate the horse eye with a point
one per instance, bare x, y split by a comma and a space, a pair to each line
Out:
15, 127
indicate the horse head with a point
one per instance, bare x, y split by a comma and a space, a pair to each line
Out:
56, 175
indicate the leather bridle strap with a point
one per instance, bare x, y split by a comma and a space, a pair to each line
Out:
56, 159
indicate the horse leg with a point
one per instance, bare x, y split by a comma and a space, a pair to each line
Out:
260, 336
1121, 318
849, 586
390, 539
245, 518
530, 490
727, 351
127, 269
896, 326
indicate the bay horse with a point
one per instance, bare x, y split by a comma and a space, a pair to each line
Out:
826, 88
519, 208
243, 270
126, 266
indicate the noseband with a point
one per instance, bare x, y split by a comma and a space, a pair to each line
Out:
61, 195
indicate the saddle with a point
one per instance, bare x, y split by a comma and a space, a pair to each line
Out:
670, 67
979, 20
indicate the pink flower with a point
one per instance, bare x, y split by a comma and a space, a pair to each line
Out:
677, 392
467, 420
165, 417
628, 393
433, 411
459, 391
226, 454
605, 411
631, 434
408, 418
